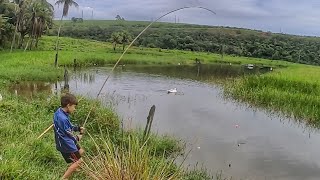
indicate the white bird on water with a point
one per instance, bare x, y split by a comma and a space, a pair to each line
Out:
1, 97
174, 90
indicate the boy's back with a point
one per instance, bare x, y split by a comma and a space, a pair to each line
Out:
65, 141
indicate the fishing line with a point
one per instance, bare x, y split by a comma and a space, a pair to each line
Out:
146, 28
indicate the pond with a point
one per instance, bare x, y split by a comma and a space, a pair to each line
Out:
242, 142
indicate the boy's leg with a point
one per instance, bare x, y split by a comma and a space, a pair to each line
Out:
81, 151
74, 166
75, 159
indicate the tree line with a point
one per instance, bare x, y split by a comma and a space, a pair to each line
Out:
233, 41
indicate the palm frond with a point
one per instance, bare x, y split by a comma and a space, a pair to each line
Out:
59, 2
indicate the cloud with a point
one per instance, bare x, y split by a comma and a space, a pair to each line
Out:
291, 16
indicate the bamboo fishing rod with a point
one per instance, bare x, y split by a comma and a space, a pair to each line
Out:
125, 51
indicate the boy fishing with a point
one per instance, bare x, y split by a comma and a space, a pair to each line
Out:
66, 140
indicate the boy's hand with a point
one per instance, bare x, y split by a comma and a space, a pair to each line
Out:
79, 137
82, 129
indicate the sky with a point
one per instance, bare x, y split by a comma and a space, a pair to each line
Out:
300, 17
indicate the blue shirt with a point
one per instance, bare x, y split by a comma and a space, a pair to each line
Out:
63, 132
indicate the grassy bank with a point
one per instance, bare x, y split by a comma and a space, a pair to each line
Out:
293, 92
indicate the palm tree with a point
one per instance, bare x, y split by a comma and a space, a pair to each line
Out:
2, 24
7, 9
19, 14
125, 38
66, 6
41, 16
116, 39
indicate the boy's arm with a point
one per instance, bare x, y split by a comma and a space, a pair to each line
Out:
75, 128
75, 138
69, 132
78, 129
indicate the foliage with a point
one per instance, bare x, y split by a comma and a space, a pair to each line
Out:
232, 41
76, 20
119, 18
29, 17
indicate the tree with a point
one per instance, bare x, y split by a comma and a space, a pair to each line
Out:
222, 49
66, 5
19, 12
24, 17
3, 22
75, 20
119, 18
115, 39
125, 38
7, 18
41, 18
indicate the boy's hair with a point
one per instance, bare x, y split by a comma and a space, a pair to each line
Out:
68, 99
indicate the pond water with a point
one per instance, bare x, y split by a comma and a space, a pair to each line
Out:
242, 142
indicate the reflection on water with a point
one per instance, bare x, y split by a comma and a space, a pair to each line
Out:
30, 89
199, 72
85, 77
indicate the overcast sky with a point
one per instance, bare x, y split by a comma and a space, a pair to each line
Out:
289, 16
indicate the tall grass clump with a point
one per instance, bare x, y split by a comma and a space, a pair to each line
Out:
134, 160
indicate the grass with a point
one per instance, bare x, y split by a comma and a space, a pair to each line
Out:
132, 160
292, 92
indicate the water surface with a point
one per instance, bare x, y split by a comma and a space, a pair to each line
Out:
256, 144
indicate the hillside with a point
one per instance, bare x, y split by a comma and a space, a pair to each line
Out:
233, 41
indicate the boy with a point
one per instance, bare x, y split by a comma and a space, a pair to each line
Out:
66, 141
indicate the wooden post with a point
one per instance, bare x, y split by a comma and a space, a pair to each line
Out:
66, 80
149, 122
56, 60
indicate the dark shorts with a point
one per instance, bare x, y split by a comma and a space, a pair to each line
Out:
71, 157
